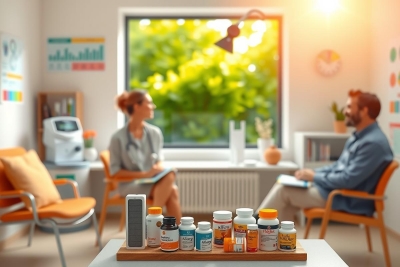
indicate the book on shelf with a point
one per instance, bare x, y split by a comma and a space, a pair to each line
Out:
290, 180
318, 151
155, 178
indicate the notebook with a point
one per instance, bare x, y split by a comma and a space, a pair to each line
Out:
290, 180
155, 178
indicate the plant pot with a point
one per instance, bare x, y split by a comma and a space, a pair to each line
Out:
90, 154
339, 127
262, 145
272, 155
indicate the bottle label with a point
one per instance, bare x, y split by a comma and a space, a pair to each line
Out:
221, 230
186, 239
169, 240
203, 241
239, 230
153, 232
268, 236
287, 241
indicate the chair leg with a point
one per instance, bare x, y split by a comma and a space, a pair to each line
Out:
60, 250
122, 220
308, 227
96, 229
324, 225
31, 230
384, 239
103, 210
368, 238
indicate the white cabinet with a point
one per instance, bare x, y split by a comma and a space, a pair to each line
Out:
317, 149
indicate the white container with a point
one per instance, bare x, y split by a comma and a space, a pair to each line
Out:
204, 236
222, 227
186, 233
287, 236
268, 228
153, 223
243, 218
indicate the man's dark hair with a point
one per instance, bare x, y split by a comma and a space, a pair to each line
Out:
371, 101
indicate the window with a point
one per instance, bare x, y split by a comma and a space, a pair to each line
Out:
198, 87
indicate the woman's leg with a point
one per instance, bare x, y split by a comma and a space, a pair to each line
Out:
162, 190
173, 205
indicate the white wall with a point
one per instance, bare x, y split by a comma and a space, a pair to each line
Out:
385, 23
17, 121
308, 94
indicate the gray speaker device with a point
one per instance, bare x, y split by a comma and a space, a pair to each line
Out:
135, 221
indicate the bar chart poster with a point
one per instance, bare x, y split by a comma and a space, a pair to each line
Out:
75, 54
11, 68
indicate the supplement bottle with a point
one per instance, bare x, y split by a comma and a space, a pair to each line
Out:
204, 236
235, 244
222, 226
252, 238
287, 236
243, 218
268, 227
169, 234
186, 233
153, 224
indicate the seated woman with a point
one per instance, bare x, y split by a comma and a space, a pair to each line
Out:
135, 152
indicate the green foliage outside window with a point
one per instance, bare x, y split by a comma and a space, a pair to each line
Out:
197, 86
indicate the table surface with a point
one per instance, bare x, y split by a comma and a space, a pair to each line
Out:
319, 253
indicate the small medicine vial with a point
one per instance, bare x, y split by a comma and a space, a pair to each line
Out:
153, 224
169, 234
186, 233
204, 236
252, 238
236, 244
287, 236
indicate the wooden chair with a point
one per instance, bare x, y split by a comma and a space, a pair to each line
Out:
328, 214
111, 183
72, 211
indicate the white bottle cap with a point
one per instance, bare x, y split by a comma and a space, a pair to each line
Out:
222, 215
187, 220
204, 225
244, 212
252, 226
287, 224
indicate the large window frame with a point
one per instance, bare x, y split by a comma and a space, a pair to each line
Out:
282, 118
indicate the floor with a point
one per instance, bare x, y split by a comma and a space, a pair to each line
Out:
347, 240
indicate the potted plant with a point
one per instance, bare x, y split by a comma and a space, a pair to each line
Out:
265, 140
90, 153
338, 125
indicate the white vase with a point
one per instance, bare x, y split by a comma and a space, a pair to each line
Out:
262, 145
90, 154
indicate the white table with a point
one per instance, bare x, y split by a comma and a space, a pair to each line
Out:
319, 254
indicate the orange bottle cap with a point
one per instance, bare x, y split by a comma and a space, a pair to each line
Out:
268, 214
155, 210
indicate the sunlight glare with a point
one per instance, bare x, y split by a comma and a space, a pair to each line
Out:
144, 22
180, 22
259, 26
255, 39
240, 45
327, 6
252, 68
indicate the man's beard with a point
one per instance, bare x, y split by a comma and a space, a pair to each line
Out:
353, 120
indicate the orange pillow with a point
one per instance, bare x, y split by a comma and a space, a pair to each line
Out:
28, 173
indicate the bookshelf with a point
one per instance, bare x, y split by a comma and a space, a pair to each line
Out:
59, 103
317, 149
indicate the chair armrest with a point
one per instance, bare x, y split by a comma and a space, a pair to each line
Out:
69, 182
117, 179
11, 194
349, 193
21, 194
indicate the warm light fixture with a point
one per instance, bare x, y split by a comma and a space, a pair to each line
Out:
233, 31
328, 6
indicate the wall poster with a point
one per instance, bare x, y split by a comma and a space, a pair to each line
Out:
394, 96
75, 54
11, 69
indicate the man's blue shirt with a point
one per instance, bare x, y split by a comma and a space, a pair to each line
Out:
364, 158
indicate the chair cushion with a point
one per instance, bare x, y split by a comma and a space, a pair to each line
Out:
67, 209
27, 172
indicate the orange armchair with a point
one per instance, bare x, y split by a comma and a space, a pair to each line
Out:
328, 214
76, 209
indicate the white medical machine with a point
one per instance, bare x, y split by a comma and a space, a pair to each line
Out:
63, 139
